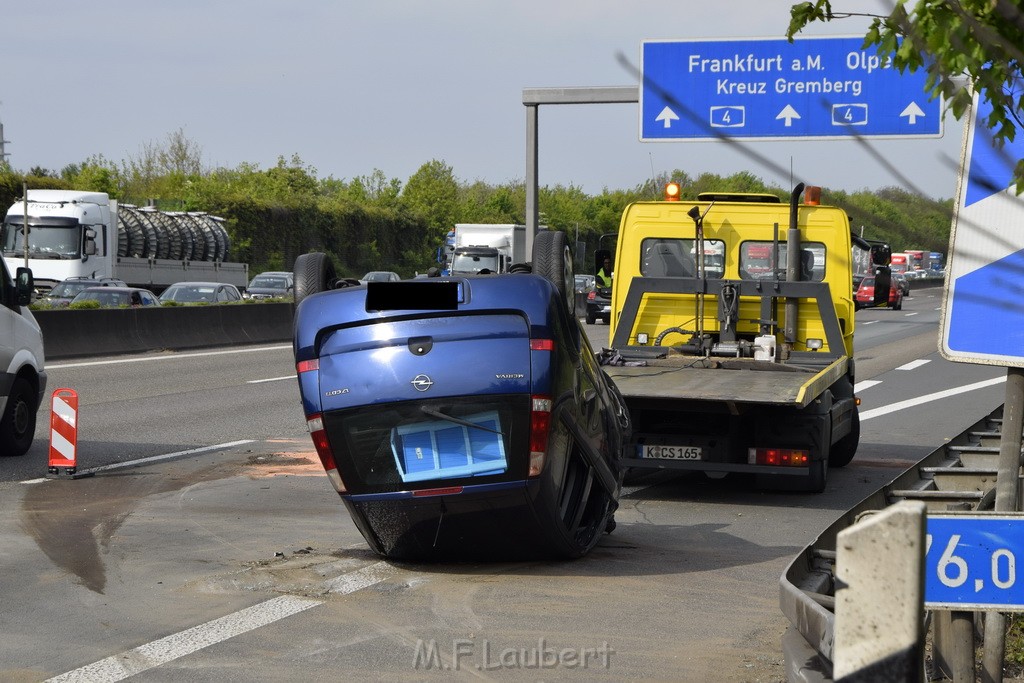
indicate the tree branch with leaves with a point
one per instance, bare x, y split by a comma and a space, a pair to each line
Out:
952, 40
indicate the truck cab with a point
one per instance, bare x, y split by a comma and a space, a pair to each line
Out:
22, 373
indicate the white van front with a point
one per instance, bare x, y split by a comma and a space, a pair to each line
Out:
22, 373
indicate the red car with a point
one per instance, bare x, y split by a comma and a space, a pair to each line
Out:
864, 297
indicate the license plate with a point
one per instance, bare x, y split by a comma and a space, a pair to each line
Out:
671, 452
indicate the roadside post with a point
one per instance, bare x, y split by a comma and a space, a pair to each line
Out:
879, 633
63, 432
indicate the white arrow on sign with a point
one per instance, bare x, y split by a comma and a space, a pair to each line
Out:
788, 113
667, 116
912, 112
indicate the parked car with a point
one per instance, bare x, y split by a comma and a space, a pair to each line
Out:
61, 294
118, 297
461, 417
901, 281
865, 296
378, 276
200, 293
270, 285
599, 305
599, 299
583, 285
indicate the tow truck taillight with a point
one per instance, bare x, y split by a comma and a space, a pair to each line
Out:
315, 424
540, 428
779, 457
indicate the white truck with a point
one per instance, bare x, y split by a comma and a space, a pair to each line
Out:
481, 248
22, 373
86, 234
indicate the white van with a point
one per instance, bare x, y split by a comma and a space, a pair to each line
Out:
22, 377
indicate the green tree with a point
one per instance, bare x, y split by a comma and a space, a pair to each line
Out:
980, 39
432, 194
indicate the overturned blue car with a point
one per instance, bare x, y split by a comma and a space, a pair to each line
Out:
461, 417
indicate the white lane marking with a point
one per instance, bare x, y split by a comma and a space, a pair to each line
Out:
146, 359
167, 456
151, 655
269, 379
359, 579
868, 322
907, 315
153, 458
928, 398
866, 384
914, 364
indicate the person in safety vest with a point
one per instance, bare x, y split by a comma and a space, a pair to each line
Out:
604, 274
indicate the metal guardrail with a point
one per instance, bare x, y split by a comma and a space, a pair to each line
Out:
960, 475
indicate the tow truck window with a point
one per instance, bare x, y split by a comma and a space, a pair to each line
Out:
757, 262
668, 257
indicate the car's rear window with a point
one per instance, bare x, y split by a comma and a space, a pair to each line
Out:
421, 444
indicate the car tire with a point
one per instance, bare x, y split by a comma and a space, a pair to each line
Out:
843, 450
585, 507
18, 423
591, 318
314, 272
552, 260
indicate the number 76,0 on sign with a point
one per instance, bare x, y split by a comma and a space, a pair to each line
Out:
971, 561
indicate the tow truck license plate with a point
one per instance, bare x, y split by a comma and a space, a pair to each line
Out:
671, 452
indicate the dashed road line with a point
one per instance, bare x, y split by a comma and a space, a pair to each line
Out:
177, 645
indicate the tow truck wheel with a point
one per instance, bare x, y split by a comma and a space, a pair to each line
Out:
844, 449
553, 261
314, 272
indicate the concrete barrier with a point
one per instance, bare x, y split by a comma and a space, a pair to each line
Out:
110, 331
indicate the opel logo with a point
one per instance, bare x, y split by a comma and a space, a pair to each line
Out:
421, 382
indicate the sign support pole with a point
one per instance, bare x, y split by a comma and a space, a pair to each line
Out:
1007, 499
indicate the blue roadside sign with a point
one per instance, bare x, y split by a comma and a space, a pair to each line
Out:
971, 561
747, 89
982, 319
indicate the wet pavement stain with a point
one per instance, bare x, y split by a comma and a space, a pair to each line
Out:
73, 520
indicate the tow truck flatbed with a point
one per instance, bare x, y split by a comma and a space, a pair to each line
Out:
737, 381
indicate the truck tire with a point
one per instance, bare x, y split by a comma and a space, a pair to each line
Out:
18, 423
314, 272
553, 261
844, 449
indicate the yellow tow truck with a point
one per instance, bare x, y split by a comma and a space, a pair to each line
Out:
732, 336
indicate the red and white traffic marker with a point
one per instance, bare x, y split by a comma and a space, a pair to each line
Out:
64, 431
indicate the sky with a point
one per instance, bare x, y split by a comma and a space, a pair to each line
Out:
353, 87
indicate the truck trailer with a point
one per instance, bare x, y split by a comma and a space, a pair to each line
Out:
86, 234
743, 366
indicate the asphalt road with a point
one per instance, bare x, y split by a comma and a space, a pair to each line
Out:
239, 563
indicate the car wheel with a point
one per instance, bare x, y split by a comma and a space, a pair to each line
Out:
314, 272
591, 318
18, 424
843, 450
899, 305
584, 507
553, 261
607, 320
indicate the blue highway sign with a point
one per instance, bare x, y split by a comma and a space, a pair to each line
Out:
982, 319
770, 88
971, 562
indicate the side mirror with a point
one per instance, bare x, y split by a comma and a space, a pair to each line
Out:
883, 282
23, 286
